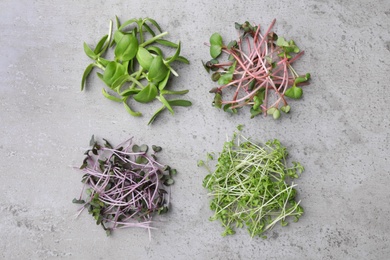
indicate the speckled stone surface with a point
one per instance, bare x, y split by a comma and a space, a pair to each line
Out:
339, 131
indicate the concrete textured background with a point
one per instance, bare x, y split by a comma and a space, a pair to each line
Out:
339, 131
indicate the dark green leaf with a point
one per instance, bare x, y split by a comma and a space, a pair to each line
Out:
156, 148
217, 100
172, 92
136, 148
180, 103
76, 201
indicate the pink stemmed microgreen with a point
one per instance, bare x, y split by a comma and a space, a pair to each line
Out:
258, 71
125, 186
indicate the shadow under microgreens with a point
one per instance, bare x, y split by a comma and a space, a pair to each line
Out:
139, 71
125, 186
258, 71
249, 187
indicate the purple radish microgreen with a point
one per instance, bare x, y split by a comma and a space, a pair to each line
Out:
139, 71
125, 186
258, 72
249, 186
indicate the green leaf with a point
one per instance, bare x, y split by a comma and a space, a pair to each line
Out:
225, 79
89, 52
174, 92
302, 78
111, 97
130, 111
99, 46
86, 73
182, 59
255, 112
174, 57
127, 48
167, 43
215, 50
154, 23
117, 84
294, 92
156, 148
166, 103
276, 114
118, 36
155, 49
217, 100
155, 115
169, 182
232, 44
282, 42
76, 201
147, 27
216, 39
144, 58
128, 22
147, 94
157, 71
129, 92
180, 103
164, 82
285, 108
144, 148
113, 71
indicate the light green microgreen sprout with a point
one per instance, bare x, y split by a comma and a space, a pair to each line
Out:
249, 186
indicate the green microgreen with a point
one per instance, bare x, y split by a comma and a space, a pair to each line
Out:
139, 70
250, 186
125, 186
258, 72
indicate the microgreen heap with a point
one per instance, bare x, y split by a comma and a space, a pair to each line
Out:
139, 69
258, 71
249, 186
125, 186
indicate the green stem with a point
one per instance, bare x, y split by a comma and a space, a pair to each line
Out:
153, 39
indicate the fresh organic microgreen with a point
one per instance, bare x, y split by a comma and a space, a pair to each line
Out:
250, 186
139, 70
258, 71
125, 186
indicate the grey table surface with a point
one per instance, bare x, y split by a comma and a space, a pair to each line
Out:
339, 131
